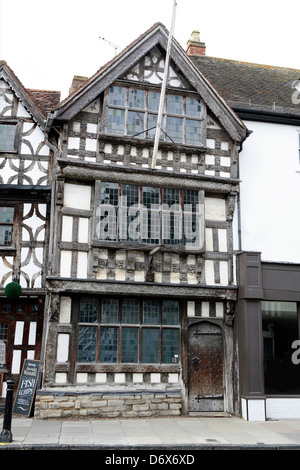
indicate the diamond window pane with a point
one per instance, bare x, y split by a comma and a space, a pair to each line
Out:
130, 344
170, 346
110, 311
108, 345
175, 104
170, 312
7, 215
116, 121
170, 196
151, 197
130, 311
109, 193
135, 123
193, 107
193, 132
130, 195
175, 129
190, 200
3, 331
150, 345
7, 137
88, 310
154, 99
87, 342
137, 98
6, 235
117, 96
150, 312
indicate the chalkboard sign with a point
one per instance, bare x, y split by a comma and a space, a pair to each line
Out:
26, 388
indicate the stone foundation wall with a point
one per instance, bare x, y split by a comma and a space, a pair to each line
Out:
107, 405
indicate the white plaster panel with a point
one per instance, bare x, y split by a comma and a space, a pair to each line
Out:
209, 239
61, 378
82, 265
65, 263
137, 378
222, 234
219, 309
205, 309
16, 362
91, 145
32, 333
6, 265
19, 333
101, 378
224, 273
209, 272
77, 196
173, 378
91, 128
191, 309
225, 161
21, 112
81, 378
215, 209
31, 354
120, 378
224, 145
62, 347
73, 143
83, 230
155, 378
67, 228
65, 310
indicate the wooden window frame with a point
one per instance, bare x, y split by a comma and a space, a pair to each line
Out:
139, 325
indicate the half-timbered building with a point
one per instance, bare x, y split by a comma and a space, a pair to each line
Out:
25, 196
141, 277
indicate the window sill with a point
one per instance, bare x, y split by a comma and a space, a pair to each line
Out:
147, 247
139, 141
128, 367
7, 250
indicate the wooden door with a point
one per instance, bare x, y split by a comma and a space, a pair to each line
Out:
205, 363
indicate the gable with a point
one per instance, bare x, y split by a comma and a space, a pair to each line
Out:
150, 70
22, 104
143, 61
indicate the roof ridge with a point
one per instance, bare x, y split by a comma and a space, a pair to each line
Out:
246, 62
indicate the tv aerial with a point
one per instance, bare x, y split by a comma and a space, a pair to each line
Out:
115, 46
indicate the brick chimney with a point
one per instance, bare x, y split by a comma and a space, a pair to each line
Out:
76, 83
195, 46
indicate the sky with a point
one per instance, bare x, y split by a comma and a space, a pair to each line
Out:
46, 43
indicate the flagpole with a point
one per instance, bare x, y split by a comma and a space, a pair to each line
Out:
163, 88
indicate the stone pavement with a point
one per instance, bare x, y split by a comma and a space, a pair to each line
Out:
161, 434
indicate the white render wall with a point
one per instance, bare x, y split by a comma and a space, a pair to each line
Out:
270, 192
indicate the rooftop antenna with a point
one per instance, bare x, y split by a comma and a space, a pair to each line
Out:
111, 44
163, 88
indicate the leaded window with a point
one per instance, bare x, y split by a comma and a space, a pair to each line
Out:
128, 331
146, 214
134, 112
7, 137
6, 225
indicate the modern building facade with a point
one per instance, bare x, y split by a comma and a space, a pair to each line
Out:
267, 229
